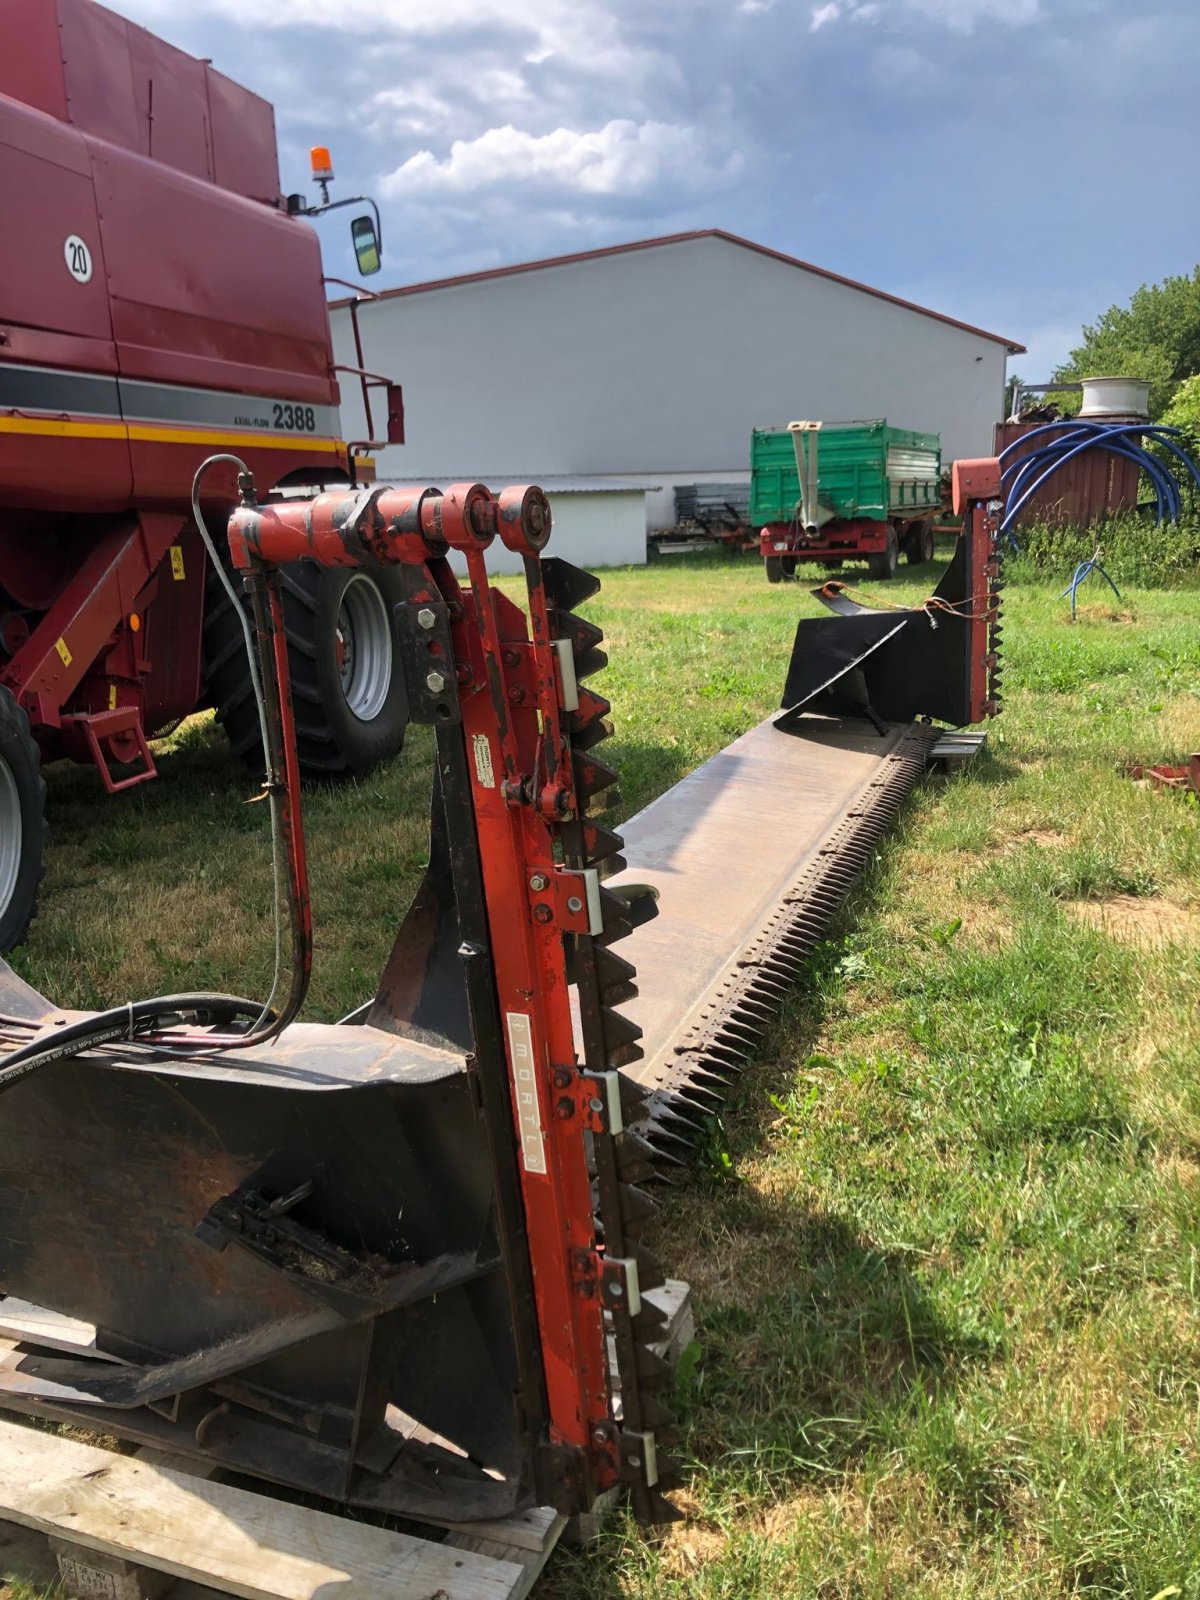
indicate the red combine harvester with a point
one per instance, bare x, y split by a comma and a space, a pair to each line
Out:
159, 300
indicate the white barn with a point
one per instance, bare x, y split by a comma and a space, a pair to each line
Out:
649, 364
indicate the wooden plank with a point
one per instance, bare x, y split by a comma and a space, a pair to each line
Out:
32, 1325
530, 1561
230, 1539
527, 1530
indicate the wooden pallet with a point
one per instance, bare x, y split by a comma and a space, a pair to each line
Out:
126, 1527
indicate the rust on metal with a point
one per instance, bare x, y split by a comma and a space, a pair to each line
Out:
1094, 485
1165, 776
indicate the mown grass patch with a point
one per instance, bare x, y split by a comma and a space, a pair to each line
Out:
945, 1242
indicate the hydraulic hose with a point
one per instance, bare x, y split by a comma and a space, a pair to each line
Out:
125, 1022
139, 1021
1024, 472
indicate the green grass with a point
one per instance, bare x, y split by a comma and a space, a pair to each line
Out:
944, 1244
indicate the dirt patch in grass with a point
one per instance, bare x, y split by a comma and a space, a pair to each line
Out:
1097, 611
1143, 922
810, 1506
984, 923
692, 1544
1044, 838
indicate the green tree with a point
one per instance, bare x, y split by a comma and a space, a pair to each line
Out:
1156, 336
1184, 413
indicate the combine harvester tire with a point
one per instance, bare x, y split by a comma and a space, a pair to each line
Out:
348, 691
22, 822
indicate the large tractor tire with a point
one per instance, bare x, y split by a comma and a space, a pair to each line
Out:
885, 565
348, 693
22, 823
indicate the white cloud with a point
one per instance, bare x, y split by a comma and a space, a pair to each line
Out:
961, 16
582, 31
621, 158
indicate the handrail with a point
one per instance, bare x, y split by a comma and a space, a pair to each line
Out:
367, 380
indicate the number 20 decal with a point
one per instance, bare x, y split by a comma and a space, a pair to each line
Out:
78, 258
301, 419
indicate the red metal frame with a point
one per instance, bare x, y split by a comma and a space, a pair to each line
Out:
522, 784
975, 489
393, 393
92, 500
844, 538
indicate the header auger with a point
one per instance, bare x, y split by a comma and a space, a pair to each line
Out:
401, 1263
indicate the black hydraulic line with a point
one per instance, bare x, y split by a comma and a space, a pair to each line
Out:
121, 1023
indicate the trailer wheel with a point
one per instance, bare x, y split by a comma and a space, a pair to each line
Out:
885, 564
22, 822
348, 692
918, 547
780, 568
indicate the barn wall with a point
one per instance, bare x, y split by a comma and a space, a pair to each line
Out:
660, 362
592, 528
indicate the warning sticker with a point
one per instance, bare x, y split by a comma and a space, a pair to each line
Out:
177, 571
529, 1117
64, 654
484, 770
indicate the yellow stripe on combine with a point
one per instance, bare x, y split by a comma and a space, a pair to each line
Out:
151, 434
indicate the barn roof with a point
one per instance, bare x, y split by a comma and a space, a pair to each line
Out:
1010, 345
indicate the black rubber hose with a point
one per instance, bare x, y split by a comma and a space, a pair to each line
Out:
121, 1023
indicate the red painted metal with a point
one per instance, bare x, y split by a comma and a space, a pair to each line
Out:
95, 604
119, 730
495, 665
201, 291
845, 538
982, 527
1095, 484
1165, 776
83, 64
977, 479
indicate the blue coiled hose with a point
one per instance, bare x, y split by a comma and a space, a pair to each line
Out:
1022, 476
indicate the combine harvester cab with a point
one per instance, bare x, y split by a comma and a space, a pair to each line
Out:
402, 1264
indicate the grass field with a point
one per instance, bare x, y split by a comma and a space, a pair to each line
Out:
945, 1246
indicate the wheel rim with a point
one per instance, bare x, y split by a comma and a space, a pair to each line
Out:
364, 641
10, 835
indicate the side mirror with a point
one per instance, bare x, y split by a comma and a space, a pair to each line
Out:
366, 245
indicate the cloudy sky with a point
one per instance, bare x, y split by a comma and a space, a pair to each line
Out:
1020, 164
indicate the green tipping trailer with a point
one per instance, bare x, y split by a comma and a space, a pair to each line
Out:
844, 491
